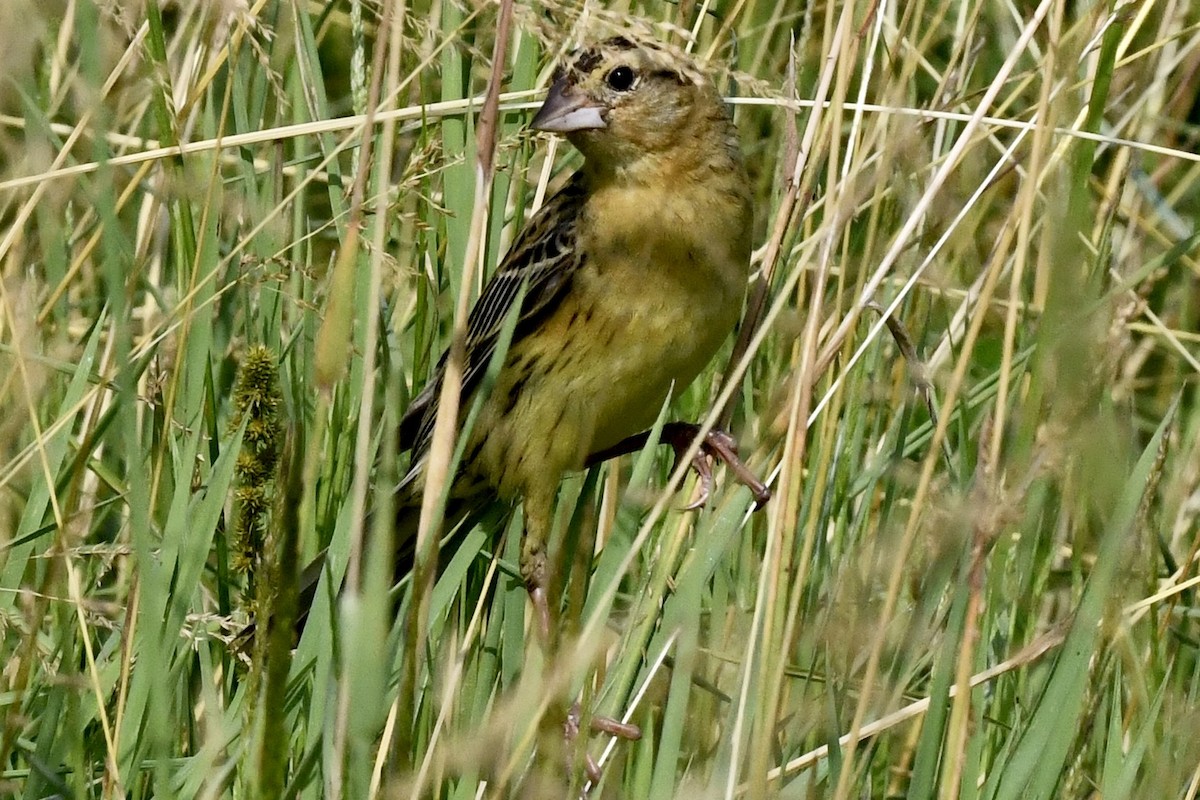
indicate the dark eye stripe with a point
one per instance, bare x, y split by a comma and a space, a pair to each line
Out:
670, 75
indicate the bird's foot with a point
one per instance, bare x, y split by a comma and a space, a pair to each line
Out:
597, 724
717, 444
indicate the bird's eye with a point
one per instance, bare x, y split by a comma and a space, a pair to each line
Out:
620, 79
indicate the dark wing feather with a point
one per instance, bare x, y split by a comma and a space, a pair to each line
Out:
543, 259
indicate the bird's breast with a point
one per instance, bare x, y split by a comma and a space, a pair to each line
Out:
659, 288
662, 288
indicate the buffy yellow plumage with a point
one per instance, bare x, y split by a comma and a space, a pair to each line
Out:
628, 280
622, 287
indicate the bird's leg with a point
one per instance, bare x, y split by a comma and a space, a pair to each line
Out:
613, 727
535, 564
535, 573
716, 444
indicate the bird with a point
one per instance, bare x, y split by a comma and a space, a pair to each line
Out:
623, 287
613, 297
617, 293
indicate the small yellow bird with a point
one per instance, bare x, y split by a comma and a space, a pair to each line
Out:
622, 288
628, 280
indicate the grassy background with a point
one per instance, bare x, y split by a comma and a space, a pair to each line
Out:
977, 577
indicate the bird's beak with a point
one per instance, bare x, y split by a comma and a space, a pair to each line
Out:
565, 111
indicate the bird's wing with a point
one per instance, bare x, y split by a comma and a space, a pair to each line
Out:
542, 260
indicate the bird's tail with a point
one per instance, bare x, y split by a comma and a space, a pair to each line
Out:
408, 518
461, 514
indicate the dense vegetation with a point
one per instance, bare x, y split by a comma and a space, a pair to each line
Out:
234, 236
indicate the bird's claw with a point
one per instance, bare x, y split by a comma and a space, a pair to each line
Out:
700, 463
719, 445
598, 724
716, 444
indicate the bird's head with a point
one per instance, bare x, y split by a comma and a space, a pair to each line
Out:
621, 101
